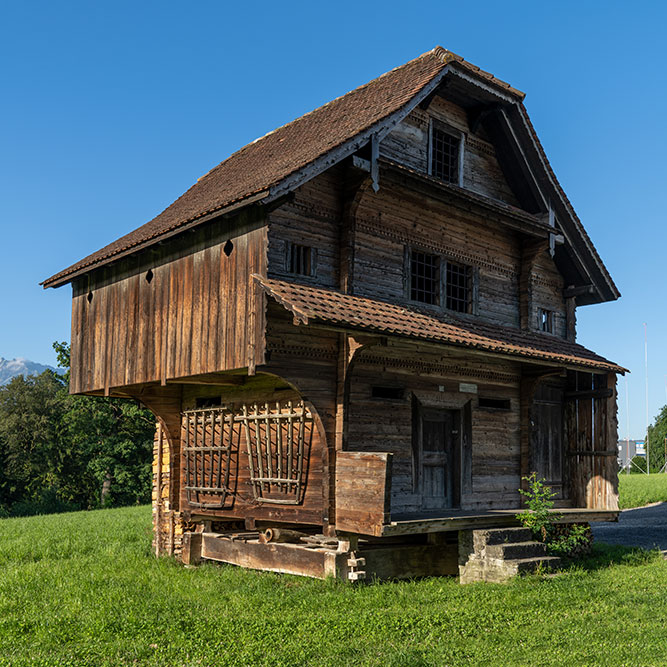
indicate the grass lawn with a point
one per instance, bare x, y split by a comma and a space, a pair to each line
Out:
640, 490
83, 589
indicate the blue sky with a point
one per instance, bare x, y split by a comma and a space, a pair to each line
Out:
110, 110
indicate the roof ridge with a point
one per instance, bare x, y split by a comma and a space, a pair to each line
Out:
266, 161
335, 100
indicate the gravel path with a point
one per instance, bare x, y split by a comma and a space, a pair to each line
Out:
644, 527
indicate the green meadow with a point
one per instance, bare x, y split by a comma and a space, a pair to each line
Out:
83, 589
639, 490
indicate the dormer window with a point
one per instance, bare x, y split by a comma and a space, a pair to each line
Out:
446, 154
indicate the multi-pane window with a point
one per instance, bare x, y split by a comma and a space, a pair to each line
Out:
301, 260
445, 149
424, 277
546, 320
437, 281
457, 285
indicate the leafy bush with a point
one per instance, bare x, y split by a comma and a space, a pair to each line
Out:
539, 516
569, 540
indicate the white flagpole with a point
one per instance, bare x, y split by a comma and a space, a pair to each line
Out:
627, 427
648, 466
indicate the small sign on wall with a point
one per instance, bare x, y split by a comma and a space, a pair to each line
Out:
467, 388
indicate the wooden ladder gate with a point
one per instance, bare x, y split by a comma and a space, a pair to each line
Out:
278, 437
210, 435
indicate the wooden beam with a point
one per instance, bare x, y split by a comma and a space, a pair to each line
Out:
571, 291
593, 393
488, 519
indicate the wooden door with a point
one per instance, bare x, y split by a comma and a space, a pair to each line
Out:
438, 456
547, 445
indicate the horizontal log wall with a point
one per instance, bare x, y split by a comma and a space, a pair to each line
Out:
385, 425
395, 218
311, 218
196, 312
408, 144
547, 292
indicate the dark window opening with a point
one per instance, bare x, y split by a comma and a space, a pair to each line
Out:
445, 156
89, 298
424, 277
229, 246
149, 276
546, 322
458, 287
208, 401
393, 393
301, 260
495, 403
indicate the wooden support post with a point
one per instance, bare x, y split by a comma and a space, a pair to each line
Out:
191, 550
526, 394
571, 319
158, 491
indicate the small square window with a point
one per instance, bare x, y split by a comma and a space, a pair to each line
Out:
424, 277
445, 149
300, 259
546, 320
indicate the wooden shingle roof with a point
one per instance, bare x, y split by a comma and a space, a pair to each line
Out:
267, 161
311, 305
272, 164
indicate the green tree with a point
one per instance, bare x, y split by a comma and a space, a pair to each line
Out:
59, 451
115, 438
657, 434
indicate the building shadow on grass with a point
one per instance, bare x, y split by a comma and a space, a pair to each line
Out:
603, 556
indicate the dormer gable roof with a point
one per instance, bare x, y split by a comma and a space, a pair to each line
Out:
281, 160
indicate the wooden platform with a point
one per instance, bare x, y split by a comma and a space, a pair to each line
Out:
437, 522
346, 559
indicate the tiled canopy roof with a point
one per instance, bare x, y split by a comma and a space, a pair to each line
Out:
315, 304
269, 160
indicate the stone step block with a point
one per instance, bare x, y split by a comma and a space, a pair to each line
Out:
512, 550
500, 571
528, 565
481, 538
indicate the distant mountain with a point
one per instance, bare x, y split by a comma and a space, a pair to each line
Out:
10, 368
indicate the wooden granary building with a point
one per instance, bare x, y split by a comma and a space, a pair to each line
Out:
357, 334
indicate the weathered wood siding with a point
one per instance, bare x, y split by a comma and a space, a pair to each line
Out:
199, 312
394, 219
313, 219
241, 502
547, 293
381, 226
408, 144
490, 454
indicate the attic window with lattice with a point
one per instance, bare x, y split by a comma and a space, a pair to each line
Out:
445, 154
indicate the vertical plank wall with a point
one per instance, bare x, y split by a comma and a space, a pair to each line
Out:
196, 312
